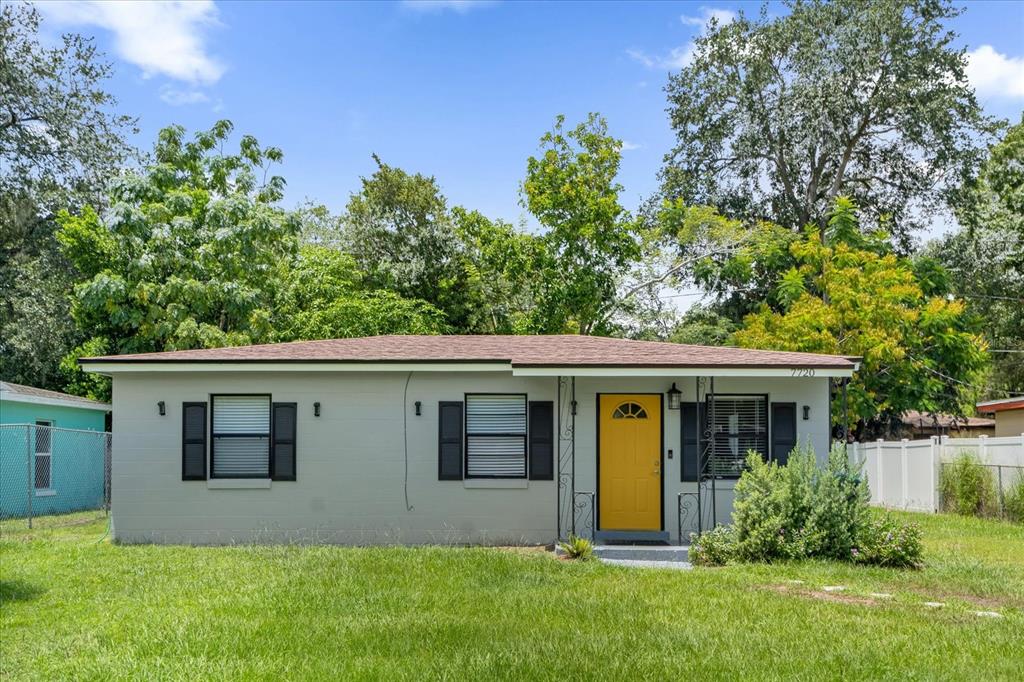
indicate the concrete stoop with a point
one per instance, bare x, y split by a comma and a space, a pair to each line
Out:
643, 556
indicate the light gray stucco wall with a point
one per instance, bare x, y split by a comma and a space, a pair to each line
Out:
351, 460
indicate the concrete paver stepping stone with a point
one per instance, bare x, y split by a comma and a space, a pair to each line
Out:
988, 614
834, 588
934, 604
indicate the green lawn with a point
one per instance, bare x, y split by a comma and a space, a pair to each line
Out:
75, 606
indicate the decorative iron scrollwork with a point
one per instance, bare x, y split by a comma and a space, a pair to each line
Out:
583, 514
566, 455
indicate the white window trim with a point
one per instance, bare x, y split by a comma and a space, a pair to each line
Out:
525, 436
213, 442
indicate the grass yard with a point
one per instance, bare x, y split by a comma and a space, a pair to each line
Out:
78, 607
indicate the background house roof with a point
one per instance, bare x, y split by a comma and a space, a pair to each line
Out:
999, 405
924, 420
520, 351
20, 393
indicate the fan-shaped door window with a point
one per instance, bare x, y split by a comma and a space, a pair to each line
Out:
629, 411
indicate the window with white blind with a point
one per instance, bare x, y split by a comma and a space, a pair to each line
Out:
496, 436
240, 445
740, 425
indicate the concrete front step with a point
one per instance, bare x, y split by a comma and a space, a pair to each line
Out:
674, 553
630, 563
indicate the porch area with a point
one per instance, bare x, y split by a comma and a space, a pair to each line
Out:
707, 424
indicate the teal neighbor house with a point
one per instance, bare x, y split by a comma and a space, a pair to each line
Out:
53, 451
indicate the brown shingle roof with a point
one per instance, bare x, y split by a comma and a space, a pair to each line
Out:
521, 351
12, 391
925, 420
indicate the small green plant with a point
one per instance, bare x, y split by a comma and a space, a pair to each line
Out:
1013, 500
715, 547
578, 548
967, 487
884, 541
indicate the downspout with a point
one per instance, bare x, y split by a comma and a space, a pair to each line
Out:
405, 438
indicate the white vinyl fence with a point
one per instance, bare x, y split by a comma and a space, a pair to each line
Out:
905, 474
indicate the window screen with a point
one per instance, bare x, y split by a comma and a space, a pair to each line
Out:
740, 424
496, 436
43, 455
241, 436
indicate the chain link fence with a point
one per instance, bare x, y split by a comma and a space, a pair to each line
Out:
47, 471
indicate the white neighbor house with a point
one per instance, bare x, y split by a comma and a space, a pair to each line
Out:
449, 439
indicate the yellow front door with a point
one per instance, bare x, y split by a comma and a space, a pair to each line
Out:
630, 456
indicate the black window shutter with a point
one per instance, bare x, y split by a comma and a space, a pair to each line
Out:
542, 440
783, 431
692, 428
449, 440
282, 457
193, 441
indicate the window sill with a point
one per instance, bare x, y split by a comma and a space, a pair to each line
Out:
496, 483
238, 484
46, 493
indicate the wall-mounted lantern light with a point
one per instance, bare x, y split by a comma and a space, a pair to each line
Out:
419, 408
807, 412
674, 396
162, 408
316, 409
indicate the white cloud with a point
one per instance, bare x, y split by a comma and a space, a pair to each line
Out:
994, 74
723, 16
628, 146
457, 6
177, 98
680, 57
677, 58
159, 37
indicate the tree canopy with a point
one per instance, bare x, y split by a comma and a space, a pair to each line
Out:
192, 252
776, 116
848, 294
60, 142
591, 239
983, 261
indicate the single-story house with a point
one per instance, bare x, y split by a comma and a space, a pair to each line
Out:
1008, 413
919, 425
52, 451
450, 439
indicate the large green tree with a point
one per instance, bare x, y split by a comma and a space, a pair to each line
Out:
60, 141
326, 298
849, 294
400, 231
591, 241
778, 115
984, 259
193, 251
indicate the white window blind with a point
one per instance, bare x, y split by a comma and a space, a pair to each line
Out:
241, 436
496, 436
740, 425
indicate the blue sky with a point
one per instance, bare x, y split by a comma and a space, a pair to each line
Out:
459, 90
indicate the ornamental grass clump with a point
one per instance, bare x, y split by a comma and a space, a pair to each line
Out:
578, 548
1013, 500
967, 487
